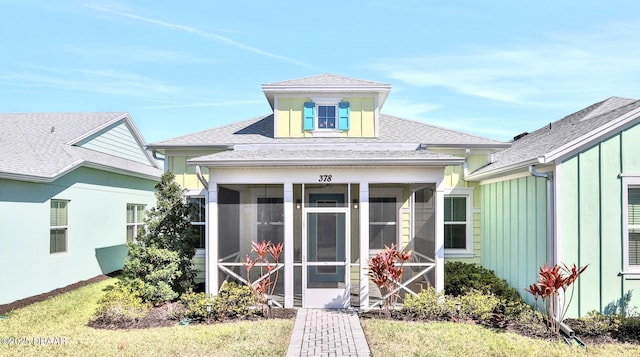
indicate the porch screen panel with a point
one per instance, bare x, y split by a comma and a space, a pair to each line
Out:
383, 218
270, 225
423, 239
634, 226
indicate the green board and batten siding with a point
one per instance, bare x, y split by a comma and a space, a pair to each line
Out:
590, 210
514, 229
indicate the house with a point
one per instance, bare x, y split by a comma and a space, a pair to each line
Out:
569, 193
83, 180
335, 180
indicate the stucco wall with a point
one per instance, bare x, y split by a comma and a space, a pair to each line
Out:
96, 229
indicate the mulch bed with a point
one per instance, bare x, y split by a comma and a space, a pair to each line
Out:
6, 308
535, 330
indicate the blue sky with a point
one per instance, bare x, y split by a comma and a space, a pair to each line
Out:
490, 68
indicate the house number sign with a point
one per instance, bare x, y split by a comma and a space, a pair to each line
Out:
325, 178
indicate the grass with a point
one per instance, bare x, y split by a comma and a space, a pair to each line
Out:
65, 317
397, 338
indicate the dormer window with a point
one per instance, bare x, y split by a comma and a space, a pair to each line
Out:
327, 114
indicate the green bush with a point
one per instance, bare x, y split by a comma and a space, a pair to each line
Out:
477, 305
462, 277
232, 301
429, 304
152, 271
596, 324
629, 329
120, 305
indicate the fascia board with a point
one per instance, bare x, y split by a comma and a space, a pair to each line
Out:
71, 167
324, 163
577, 144
96, 129
501, 171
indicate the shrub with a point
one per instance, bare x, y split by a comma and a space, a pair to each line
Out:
629, 329
461, 277
596, 324
385, 270
477, 305
429, 304
152, 271
120, 305
232, 301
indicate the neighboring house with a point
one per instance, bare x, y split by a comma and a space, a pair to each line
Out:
73, 189
569, 193
334, 180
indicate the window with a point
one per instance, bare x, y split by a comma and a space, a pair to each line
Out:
458, 233
270, 219
135, 220
330, 114
631, 225
58, 223
383, 218
199, 218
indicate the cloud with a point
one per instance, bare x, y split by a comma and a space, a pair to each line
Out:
597, 64
195, 31
130, 54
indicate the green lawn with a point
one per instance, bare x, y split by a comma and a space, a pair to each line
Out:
63, 319
395, 338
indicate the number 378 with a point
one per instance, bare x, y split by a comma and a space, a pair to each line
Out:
325, 178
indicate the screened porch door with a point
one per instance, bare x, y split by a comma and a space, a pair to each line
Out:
325, 264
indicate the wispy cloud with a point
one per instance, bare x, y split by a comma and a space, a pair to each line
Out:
599, 63
204, 104
195, 31
130, 54
110, 82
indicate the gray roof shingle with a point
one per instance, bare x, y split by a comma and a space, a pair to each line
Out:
392, 130
559, 133
38, 145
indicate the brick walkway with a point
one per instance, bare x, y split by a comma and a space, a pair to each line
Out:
318, 332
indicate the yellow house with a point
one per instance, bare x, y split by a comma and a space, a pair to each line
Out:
335, 181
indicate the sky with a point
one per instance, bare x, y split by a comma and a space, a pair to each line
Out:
489, 68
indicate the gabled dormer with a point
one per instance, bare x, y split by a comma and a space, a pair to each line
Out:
326, 106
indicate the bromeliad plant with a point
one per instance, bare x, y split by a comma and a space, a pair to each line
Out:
385, 270
553, 281
264, 286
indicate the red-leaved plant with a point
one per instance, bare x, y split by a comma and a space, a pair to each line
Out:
385, 270
552, 281
264, 286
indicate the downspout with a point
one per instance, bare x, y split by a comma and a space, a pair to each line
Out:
155, 156
465, 165
201, 178
553, 250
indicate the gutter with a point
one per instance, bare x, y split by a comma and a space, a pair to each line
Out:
325, 163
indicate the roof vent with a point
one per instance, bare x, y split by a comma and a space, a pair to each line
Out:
520, 136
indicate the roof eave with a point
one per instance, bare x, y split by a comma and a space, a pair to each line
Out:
163, 148
497, 146
325, 162
500, 171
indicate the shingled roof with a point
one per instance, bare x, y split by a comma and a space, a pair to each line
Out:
40, 146
392, 130
576, 129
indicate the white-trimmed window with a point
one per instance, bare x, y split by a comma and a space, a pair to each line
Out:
270, 219
631, 225
135, 220
458, 223
199, 218
58, 226
328, 114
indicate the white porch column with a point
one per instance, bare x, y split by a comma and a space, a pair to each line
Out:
439, 249
211, 243
364, 245
288, 244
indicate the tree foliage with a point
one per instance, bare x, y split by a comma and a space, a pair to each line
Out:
159, 261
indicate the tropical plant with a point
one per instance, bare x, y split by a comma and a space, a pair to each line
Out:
551, 287
385, 270
264, 286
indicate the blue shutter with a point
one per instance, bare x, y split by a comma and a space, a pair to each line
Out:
343, 115
309, 116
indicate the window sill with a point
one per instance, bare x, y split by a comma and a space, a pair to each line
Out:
628, 275
458, 255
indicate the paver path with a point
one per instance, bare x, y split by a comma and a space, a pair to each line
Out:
319, 332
